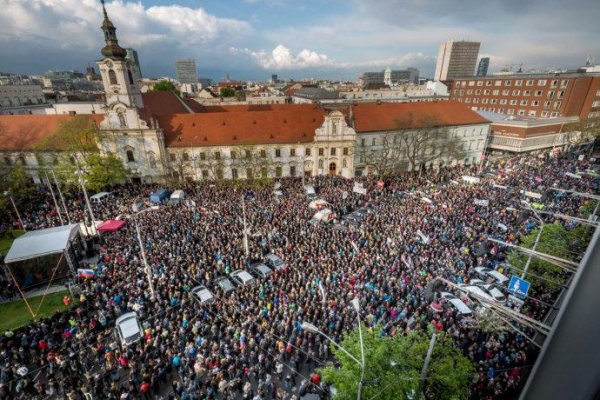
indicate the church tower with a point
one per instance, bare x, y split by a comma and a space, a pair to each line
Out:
137, 142
123, 96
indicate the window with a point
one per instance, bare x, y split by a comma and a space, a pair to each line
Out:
564, 83
496, 92
307, 151
234, 173
494, 101
535, 103
344, 163
373, 141
479, 83
547, 104
130, 157
497, 83
471, 83
487, 92
510, 111
518, 82
554, 83
507, 83
233, 154
321, 151
203, 156
531, 113
598, 93
112, 77
172, 156
488, 83
521, 112
484, 101
263, 153
7, 160
204, 174
468, 100
292, 152
478, 92
529, 82
554, 114
470, 91
557, 104
217, 156
551, 95
505, 92
22, 160
475, 101
321, 164
293, 170
264, 172
503, 101
516, 92
345, 151
544, 113
538, 92
219, 173
541, 82
278, 171
249, 174
560, 94
596, 103
513, 102
527, 93
130, 77
523, 102
332, 151
247, 154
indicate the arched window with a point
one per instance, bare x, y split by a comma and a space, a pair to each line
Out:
152, 159
130, 157
344, 163
130, 77
320, 163
112, 77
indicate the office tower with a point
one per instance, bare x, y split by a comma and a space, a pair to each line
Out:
456, 59
482, 69
186, 71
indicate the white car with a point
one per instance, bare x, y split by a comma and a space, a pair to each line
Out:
225, 284
260, 270
495, 276
242, 277
202, 294
128, 328
490, 291
456, 303
274, 262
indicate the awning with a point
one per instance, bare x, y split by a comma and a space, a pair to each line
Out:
41, 242
111, 226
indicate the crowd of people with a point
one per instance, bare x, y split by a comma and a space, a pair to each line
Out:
249, 343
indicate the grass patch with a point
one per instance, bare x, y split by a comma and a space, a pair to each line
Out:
6, 240
15, 314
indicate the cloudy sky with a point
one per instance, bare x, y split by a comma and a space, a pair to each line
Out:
338, 39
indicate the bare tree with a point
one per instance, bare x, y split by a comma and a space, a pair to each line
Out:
255, 161
385, 157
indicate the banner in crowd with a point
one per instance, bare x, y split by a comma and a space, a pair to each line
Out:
85, 273
533, 195
471, 179
570, 175
423, 237
499, 186
358, 188
479, 202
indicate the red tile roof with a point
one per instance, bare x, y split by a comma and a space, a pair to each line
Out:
23, 132
292, 124
373, 117
167, 103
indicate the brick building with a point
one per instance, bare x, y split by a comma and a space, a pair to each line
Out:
531, 95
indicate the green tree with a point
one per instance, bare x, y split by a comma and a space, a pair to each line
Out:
393, 366
554, 240
100, 171
76, 135
227, 92
165, 86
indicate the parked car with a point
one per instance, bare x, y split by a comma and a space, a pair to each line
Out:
488, 291
100, 197
242, 277
260, 270
177, 197
456, 303
492, 276
128, 328
274, 262
225, 284
310, 191
202, 294
159, 196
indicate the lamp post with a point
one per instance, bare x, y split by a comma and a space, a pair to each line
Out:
62, 199
80, 173
142, 250
312, 328
54, 198
537, 239
356, 305
9, 195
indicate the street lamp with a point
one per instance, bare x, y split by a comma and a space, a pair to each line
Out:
139, 236
9, 195
80, 174
356, 305
312, 328
537, 239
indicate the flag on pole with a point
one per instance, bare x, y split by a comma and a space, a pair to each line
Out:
85, 273
355, 246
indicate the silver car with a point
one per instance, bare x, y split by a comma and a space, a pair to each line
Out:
128, 328
261, 270
202, 294
274, 262
225, 284
242, 277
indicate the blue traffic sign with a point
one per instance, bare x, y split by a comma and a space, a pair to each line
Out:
519, 287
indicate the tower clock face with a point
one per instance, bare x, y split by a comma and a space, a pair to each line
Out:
109, 64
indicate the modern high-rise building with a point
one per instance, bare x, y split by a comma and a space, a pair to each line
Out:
132, 55
456, 59
484, 64
186, 71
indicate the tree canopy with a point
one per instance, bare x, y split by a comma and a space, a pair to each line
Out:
393, 367
227, 92
164, 86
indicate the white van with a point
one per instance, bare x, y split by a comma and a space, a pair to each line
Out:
128, 328
177, 197
100, 198
310, 191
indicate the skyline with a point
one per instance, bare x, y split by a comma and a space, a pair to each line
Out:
252, 39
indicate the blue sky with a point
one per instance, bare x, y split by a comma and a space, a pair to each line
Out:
337, 39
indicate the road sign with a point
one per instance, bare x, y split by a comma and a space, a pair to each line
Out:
519, 287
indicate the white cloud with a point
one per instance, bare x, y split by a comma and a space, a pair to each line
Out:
76, 23
282, 58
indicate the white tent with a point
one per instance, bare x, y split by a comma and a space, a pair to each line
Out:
41, 243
